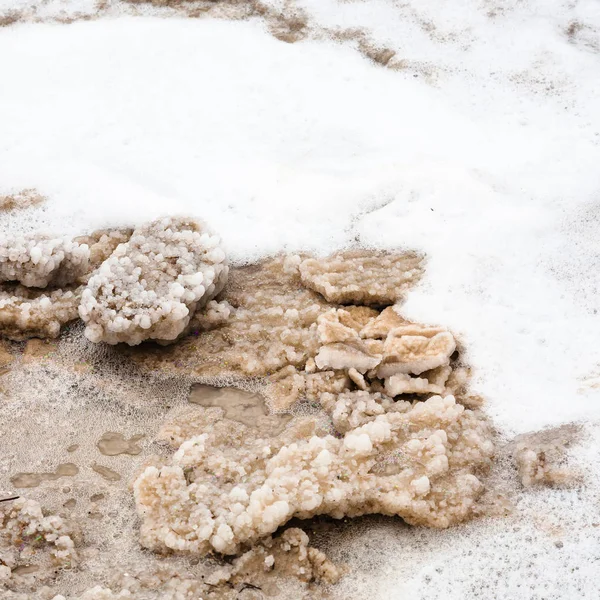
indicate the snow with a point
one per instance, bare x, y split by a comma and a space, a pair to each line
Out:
483, 153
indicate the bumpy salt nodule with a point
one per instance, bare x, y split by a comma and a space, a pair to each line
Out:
151, 286
28, 535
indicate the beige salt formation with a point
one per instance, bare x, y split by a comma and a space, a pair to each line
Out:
26, 312
269, 322
37, 260
151, 286
385, 442
32, 542
376, 352
26, 198
541, 456
286, 561
361, 276
218, 495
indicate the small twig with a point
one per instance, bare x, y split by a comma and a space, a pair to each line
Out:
8, 499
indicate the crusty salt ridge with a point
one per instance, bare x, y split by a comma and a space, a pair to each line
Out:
362, 277
220, 497
151, 286
26, 312
39, 260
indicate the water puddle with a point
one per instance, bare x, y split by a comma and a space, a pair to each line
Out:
239, 405
113, 444
25, 569
105, 472
30, 480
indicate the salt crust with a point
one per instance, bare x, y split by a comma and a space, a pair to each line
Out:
145, 285
26, 312
362, 277
274, 561
540, 457
219, 496
151, 286
229, 485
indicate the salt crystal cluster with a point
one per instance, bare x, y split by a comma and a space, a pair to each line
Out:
27, 535
391, 439
38, 261
218, 496
376, 352
150, 287
541, 456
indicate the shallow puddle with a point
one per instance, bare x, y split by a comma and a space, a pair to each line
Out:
239, 405
25, 569
113, 444
105, 472
30, 480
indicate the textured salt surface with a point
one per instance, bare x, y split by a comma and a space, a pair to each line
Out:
490, 171
133, 399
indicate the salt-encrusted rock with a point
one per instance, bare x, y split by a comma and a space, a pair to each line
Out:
431, 382
26, 312
346, 356
30, 312
362, 277
217, 496
415, 349
382, 324
151, 286
27, 535
37, 260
